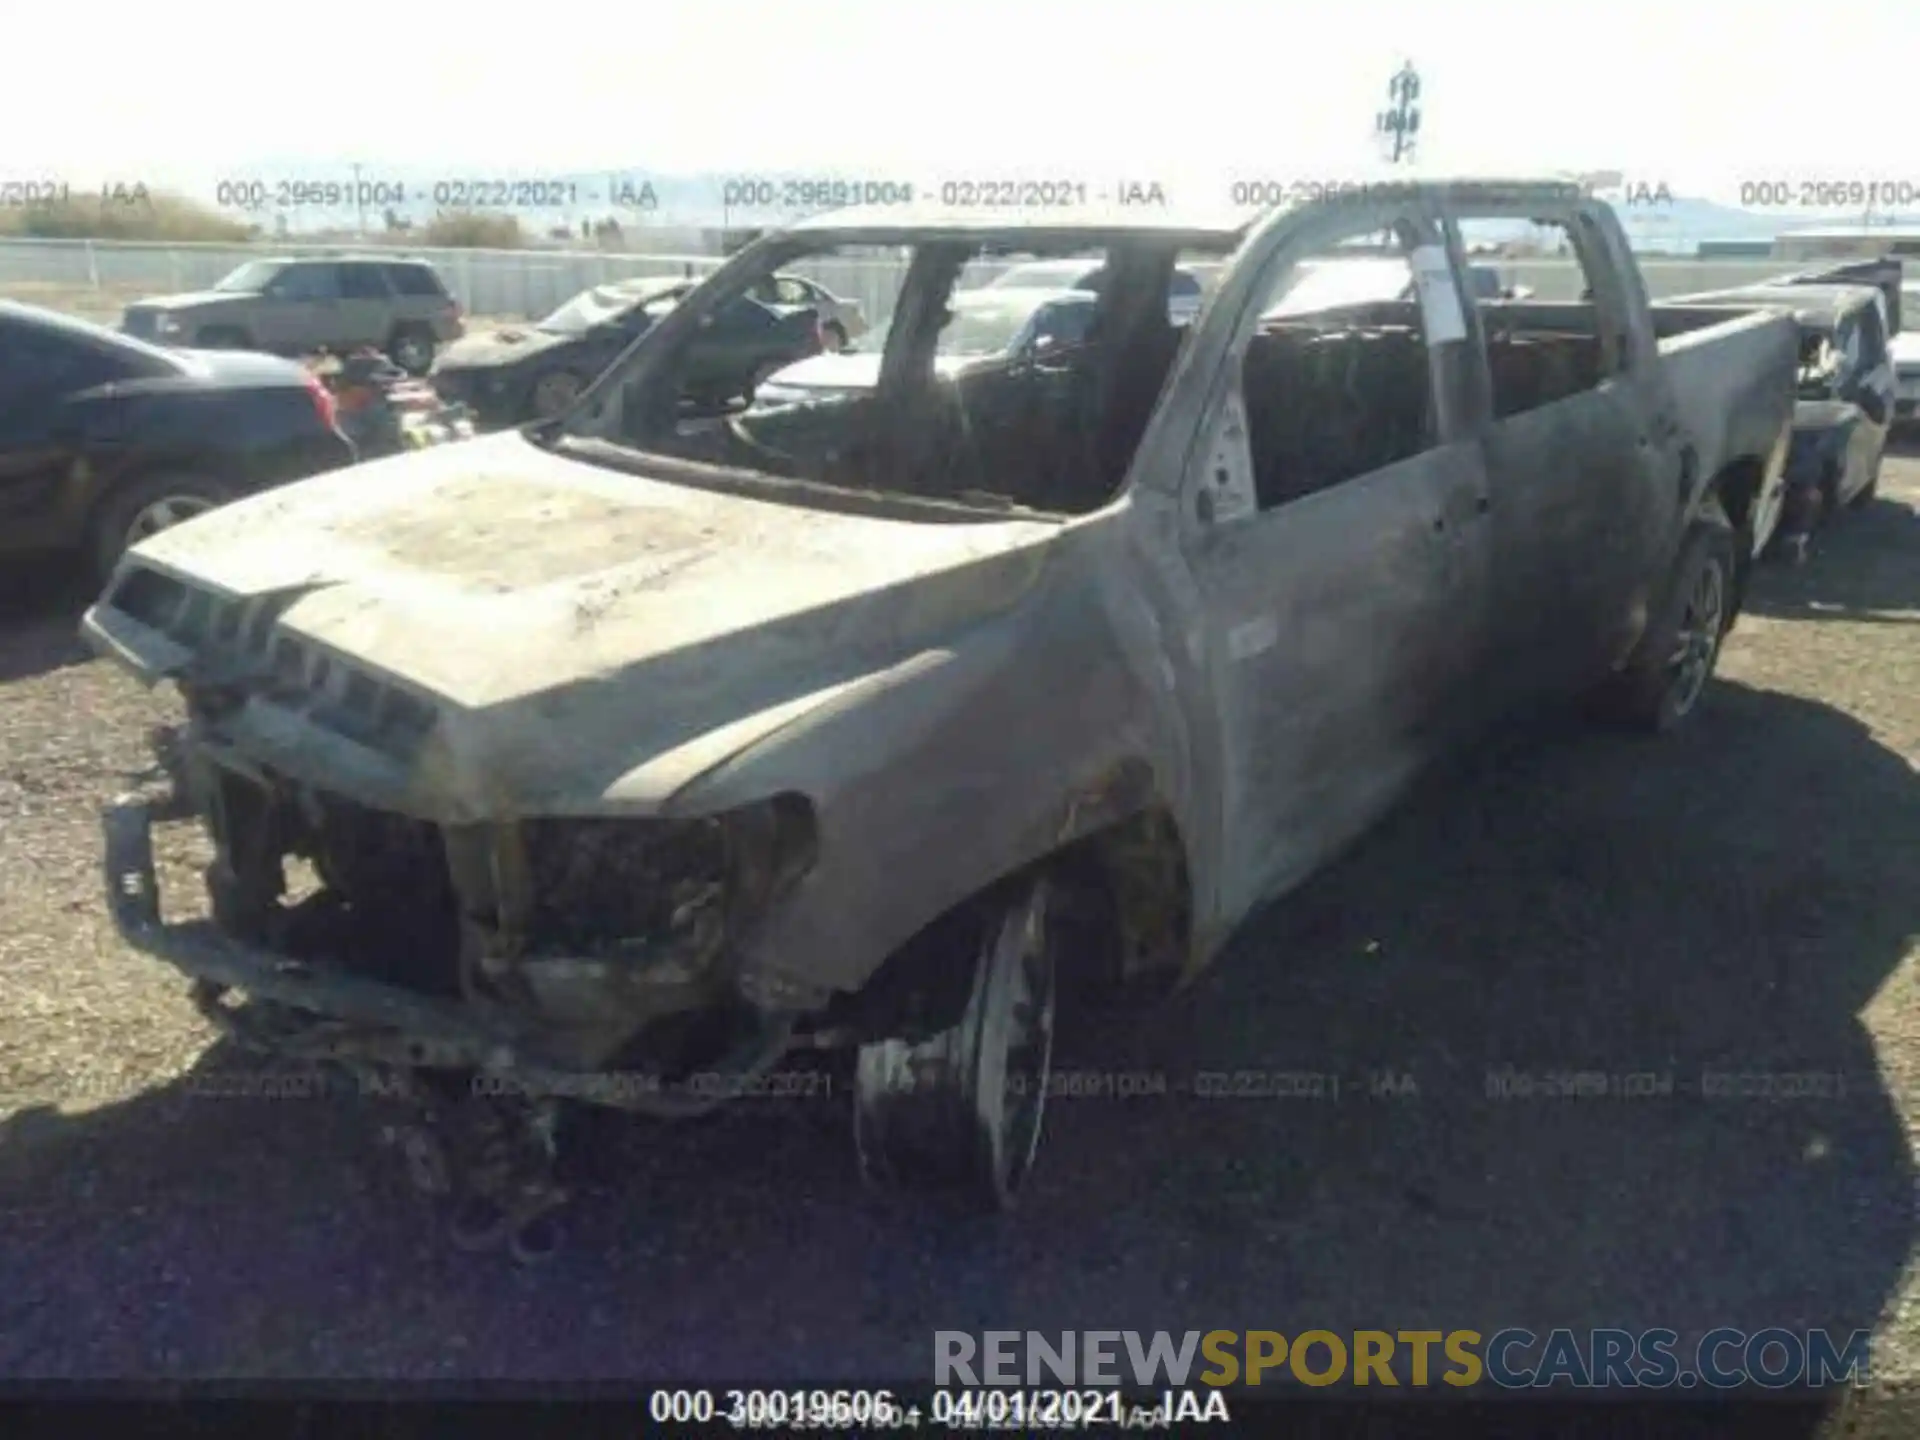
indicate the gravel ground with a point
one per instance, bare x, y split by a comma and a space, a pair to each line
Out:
1740, 898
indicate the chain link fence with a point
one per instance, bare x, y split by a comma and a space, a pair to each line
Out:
98, 277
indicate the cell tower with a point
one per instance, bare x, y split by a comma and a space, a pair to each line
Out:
1399, 124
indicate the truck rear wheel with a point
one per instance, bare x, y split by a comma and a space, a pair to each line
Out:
1668, 673
961, 1110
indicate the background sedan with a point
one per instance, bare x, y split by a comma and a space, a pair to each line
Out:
522, 373
105, 439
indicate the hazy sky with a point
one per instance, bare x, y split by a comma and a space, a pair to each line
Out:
1697, 95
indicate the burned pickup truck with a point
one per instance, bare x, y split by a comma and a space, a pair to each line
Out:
624, 755
1846, 395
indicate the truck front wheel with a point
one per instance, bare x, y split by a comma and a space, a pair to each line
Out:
1663, 682
960, 1110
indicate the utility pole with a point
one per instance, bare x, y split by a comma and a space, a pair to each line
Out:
1400, 122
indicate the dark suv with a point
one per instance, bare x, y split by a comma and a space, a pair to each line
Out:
294, 307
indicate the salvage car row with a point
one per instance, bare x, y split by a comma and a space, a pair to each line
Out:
878, 707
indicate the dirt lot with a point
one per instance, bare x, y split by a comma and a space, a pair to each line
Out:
1742, 899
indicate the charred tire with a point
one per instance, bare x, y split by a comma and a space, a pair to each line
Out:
961, 1110
1668, 673
553, 393
222, 337
411, 347
143, 506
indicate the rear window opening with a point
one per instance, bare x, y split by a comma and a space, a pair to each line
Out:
984, 375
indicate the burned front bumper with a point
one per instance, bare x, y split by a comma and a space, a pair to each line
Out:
307, 1009
345, 1016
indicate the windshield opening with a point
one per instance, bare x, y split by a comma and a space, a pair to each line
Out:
954, 389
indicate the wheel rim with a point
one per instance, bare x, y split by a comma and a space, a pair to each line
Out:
1016, 1099
835, 337
164, 514
1698, 639
962, 1110
555, 393
411, 352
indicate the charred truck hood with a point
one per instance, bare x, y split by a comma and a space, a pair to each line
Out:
491, 631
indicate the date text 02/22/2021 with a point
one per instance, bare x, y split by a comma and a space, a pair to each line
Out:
465, 193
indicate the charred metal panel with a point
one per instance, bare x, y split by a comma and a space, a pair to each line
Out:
1344, 632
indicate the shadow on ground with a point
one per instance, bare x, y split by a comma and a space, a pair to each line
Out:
1861, 568
41, 602
1721, 904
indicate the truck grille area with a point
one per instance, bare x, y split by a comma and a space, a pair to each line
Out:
236, 642
384, 905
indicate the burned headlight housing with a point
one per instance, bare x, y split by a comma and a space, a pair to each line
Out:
608, 886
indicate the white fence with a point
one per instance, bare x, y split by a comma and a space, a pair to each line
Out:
531, 283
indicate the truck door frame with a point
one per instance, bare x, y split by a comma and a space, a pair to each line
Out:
1273, 814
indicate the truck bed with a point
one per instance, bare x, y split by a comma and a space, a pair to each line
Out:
1713, 353
1540, 353
1731, 369
1718, 357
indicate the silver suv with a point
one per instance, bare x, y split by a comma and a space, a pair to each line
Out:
295, 307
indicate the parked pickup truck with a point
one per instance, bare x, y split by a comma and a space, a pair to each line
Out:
633, 754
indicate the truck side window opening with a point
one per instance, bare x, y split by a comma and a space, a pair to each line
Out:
1540, 352
1337, 378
